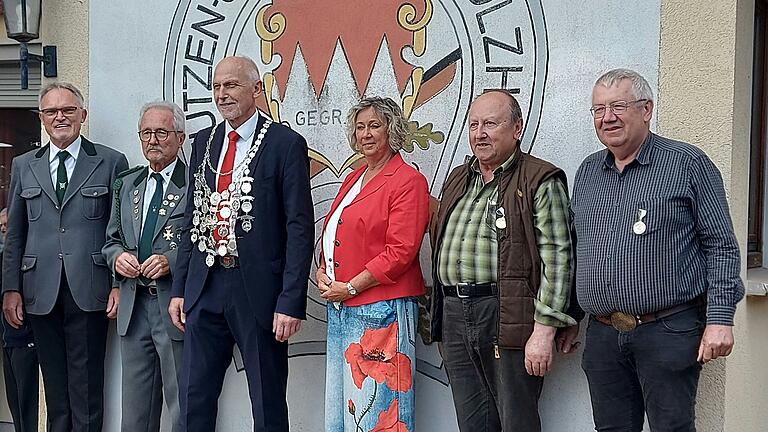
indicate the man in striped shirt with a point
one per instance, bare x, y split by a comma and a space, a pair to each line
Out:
657, 264
502, 266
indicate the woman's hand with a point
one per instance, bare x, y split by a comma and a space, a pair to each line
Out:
323, 281
336, 292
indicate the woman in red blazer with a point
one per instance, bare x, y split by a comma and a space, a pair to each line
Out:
370, 275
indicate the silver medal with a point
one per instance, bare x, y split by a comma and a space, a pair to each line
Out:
209, 260
196, 220
193, 237
221, 250
170, 196
501, 223
246, 187
215, 198
225, 212
246, 206
225, 194
232, 246
231, 187
639, 228
201, 245
223, 231
198, 201
246, 225
235, 205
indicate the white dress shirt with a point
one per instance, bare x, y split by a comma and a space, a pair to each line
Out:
151, 185
53, 159
246, 132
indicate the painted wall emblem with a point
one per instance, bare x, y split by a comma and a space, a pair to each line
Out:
317, 58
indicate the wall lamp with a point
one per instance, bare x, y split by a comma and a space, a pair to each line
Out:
22, 23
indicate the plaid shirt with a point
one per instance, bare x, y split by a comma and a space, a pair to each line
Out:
469, 249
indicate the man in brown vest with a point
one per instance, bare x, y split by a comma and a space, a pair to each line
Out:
502, 270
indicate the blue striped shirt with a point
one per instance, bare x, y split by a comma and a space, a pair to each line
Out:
656, 235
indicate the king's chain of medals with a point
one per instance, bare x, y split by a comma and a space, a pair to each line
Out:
220, 210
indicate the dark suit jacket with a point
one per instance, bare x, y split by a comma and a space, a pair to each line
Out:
124, 233
275, 255
43, 241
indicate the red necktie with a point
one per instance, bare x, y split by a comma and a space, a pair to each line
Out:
228, 164
225, 174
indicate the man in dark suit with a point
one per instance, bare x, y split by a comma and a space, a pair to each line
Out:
242, 270
20, 367
57, 219
142, 241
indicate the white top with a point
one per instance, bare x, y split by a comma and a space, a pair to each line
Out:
246, 132
69, 164
333, 223
151, 185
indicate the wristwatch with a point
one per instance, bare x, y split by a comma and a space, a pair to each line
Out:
351, 290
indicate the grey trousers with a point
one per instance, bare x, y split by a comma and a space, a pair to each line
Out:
151, 361
490, 394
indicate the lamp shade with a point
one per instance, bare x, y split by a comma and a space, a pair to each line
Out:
22, 19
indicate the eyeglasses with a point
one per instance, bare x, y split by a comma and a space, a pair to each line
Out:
617, 108
160, 134
487, 125
68, 111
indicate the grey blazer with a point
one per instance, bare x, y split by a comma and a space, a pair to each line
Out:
43, 240
124, 232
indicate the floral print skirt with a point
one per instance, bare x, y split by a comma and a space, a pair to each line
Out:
370, 366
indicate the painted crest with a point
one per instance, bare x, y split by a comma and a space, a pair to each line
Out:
317, 58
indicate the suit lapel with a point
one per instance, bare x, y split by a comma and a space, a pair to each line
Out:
86, 164
343, 190
216, 145
175, 188
138, 186
379, 180
41, 169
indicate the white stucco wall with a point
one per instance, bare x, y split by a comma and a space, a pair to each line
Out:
131, 63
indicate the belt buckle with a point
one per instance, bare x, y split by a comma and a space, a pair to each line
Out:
227, 261
623, 321
458, 290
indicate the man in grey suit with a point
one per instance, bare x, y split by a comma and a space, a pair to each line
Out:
57, 219
142, 237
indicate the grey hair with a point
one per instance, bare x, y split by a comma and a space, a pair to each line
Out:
63, 86
4, 211
514, 106
387, 110
640, 87
178, 114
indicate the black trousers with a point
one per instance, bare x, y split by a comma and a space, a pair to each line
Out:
490, 394
71, 344
20, 370
650, 370
222, 317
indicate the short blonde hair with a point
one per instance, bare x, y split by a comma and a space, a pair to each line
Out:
388, 111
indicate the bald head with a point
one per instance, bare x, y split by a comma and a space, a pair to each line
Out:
236, 87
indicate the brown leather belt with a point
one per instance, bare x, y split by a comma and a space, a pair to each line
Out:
625, 322
467, 290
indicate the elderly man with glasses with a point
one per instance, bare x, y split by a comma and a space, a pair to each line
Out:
142, 242
53, 268
657, 264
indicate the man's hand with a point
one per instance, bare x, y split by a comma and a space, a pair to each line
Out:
13, 308
716, 342
127, 265
323, 281
565, 340
114, 300
156, 266
538, 350
285, 326
176, 310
